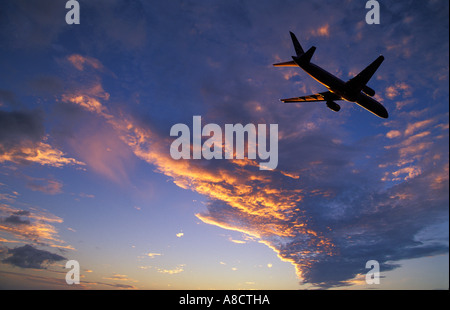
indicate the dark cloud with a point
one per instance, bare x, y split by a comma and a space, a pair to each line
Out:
15, 220
34, 226
23, 141
22, 212
383, 225
20, 128
29, 257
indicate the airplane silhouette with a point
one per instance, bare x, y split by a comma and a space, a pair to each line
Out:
354, 90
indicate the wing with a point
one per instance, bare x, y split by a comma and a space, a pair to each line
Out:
325, 96
359, 82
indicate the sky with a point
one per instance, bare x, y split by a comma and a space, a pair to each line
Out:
85, 167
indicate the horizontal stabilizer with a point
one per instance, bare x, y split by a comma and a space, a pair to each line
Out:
286, 64
368, 91
325, 96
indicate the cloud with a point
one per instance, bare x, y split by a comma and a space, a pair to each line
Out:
22, 141
119, 277
177, 269
116, 285
400, 88
95, 143
412, 127
152, 255
17, 126
323, 31
34, 225
40, 153
15, 220
80, 62
103, 152
29, 257
46, 186
393, 134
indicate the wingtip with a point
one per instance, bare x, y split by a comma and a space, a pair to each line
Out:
383, 113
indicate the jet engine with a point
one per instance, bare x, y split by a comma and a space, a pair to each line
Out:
333, 106
368, 91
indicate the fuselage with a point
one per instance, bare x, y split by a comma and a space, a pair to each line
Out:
340, 88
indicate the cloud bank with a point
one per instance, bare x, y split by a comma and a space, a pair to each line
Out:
29, 257
326, 213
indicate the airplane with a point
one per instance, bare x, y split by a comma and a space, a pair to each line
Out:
354, 90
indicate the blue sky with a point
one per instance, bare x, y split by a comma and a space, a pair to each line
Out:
86, 173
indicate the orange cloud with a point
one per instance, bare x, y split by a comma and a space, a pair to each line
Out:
400, 88
80, 62
267, 211
393, 134
412, 127
33, 225
153, 255
323, 31
264, 211
256, 206
41, 153
177, 269
47, 186
120, 277
411, 172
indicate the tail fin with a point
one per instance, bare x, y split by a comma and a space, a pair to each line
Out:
359, 82
309, 53
301, 57
298, 48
